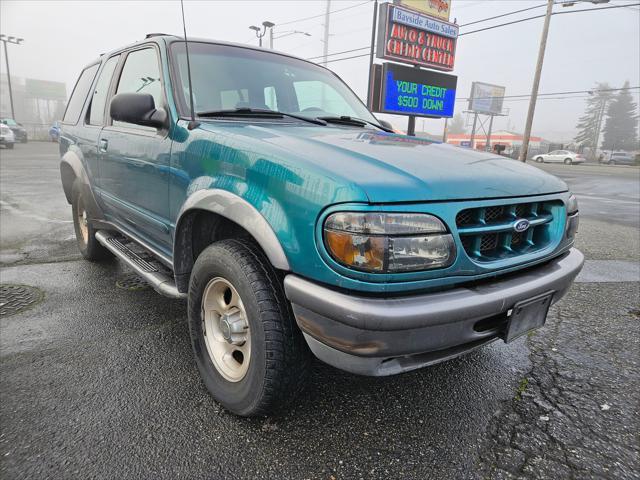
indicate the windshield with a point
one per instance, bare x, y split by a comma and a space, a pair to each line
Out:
226, 77
9, 121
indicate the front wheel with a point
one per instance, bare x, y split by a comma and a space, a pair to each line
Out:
247, 346
9, 146
540, 160
568, 161
88, 245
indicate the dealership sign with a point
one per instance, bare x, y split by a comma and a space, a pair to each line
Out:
411, 37
435, 8
411, 91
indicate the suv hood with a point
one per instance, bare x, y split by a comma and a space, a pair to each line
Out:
398, 168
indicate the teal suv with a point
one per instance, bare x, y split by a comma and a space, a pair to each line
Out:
260, 188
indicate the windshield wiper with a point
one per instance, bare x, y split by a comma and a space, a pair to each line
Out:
257, 113
347, 120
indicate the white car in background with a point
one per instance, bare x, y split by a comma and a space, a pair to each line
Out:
560, 156
7, 138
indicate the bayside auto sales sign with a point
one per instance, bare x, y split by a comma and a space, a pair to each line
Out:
411, 37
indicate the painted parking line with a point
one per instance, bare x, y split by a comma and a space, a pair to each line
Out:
601, 271
611, 200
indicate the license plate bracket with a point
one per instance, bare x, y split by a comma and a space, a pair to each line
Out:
528, 315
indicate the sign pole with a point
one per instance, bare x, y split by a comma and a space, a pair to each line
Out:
411, 127
473, 129
373, 41
487, 147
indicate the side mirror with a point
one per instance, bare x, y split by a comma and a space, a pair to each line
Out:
385, 124
137, 108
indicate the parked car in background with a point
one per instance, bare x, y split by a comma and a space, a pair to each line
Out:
560, 156
621, 158
7, 138
54, 131
18, 130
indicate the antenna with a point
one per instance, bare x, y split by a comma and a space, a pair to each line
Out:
192, 124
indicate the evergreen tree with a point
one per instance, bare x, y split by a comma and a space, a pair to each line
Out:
457, 124
621, 129
588, 123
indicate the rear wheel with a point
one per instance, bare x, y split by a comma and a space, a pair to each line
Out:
568, 161
88, 245
249, 351
9, 146
612, 162
539, 160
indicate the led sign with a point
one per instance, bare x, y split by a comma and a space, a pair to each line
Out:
412, 91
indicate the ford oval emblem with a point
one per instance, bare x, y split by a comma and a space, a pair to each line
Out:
521, 225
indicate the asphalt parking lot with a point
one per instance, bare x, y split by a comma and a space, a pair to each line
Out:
97, 378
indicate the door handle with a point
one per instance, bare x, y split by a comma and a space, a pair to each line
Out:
104, 144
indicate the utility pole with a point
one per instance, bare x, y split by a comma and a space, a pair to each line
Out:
536, 83
598, 126
445, 132
327, 14
17, 41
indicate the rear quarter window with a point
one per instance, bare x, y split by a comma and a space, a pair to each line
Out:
79, 94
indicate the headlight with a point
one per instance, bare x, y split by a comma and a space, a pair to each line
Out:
388, 242
572, 205
573, 219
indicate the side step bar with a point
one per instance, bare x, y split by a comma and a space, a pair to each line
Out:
160, 281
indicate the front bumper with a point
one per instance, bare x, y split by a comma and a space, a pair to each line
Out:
385, 336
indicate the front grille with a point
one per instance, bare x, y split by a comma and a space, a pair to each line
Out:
487, 233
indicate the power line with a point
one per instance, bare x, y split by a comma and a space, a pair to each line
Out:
527, 95
541, 16
503, 15
322, 14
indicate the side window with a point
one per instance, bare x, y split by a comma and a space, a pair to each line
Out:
79, 95
96, 115
141, 74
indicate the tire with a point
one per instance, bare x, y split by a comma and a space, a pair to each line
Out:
89, 247
611, 162
9, 146
24, 140
540, 160
277, 355
568, 161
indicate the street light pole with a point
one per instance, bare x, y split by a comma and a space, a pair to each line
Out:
536, 83
17, 41
261, 32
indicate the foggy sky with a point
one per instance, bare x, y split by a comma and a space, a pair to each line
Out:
583, 48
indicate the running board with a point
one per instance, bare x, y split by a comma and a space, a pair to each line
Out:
160, 281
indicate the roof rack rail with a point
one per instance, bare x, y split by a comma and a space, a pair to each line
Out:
151, 35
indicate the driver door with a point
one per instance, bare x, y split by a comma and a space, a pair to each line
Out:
134, 159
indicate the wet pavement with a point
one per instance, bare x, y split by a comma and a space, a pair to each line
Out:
97, 378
